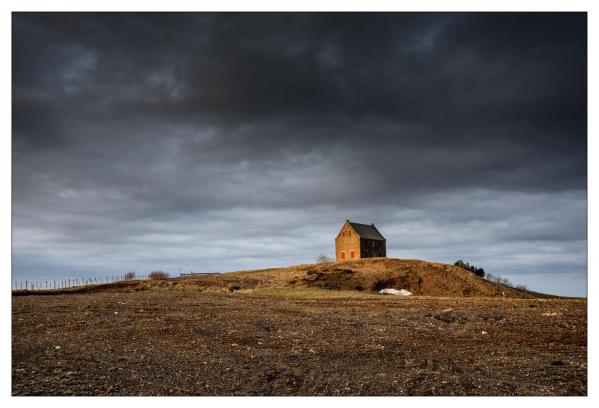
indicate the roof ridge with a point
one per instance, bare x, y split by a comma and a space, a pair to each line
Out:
367, 231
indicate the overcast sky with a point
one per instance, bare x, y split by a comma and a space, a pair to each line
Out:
218, 142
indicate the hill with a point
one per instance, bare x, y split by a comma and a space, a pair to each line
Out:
365, 275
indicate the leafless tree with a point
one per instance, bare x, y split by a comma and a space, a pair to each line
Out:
158, 275
323, 259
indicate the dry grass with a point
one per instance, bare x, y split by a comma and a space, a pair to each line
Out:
307, 293
365, 276
369, 275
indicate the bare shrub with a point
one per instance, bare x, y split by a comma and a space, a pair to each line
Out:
130, 275
156, 275
323, 259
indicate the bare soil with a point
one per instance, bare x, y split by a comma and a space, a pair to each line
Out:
294, 341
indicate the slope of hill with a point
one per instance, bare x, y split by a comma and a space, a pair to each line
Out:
366, 275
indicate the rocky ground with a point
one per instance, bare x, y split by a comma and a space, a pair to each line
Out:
306, 343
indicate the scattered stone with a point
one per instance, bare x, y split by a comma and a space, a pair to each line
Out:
483, 332
444, 318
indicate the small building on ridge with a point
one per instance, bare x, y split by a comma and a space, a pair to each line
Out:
356, 241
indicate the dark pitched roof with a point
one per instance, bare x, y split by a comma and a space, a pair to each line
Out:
367, 231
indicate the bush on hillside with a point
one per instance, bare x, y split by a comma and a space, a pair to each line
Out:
323, 259
155, 275
130, 275
499, 280
477, 271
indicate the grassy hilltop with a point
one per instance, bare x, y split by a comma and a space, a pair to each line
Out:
352, 277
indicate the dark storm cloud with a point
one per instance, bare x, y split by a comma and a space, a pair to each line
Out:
139, 139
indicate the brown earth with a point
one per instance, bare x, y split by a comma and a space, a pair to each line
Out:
279, 332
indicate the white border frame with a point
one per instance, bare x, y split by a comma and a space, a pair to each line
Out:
293, 5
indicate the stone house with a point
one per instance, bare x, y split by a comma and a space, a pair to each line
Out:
356, 241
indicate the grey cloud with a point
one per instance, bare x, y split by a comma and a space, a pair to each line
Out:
225, 141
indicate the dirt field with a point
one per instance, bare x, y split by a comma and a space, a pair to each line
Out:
303, 342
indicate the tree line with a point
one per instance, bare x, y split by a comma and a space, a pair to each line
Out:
477, 271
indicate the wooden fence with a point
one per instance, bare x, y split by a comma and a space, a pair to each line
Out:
71, 282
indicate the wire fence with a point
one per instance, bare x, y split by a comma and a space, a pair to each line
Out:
72, 282
198, 273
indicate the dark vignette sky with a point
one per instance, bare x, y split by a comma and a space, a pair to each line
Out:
216, 142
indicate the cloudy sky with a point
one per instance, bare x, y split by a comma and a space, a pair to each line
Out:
218, 142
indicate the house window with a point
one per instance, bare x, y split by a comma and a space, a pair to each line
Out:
342, 255
351, 254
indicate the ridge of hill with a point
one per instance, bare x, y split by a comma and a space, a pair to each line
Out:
369, 275
365, 275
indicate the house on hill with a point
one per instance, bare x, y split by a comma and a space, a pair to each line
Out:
356, 241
